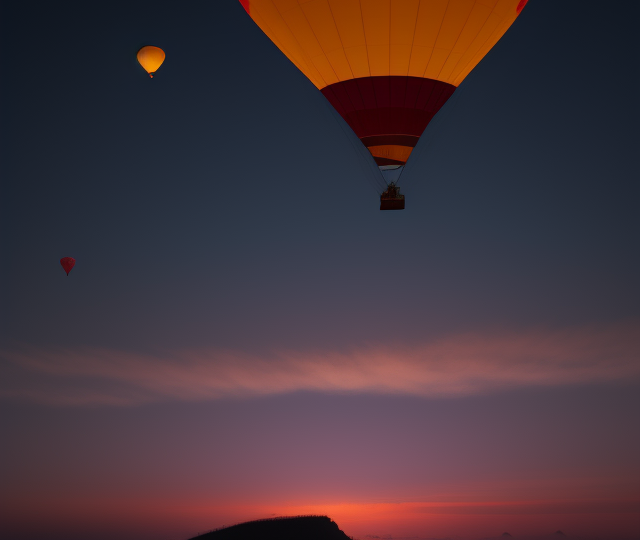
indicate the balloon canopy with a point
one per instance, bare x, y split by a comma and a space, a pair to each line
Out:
67, 263
387, 66
151, 59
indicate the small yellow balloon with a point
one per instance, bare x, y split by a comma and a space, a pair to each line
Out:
151, 58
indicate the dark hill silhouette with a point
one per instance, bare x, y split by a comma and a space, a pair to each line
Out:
285, 528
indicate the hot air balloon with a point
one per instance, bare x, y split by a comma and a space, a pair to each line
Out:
387, 66
151, 59
67, 263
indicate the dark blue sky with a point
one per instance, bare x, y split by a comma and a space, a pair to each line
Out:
222, 198
223, 205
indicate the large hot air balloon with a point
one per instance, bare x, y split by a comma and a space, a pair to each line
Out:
387, 66
151, 59
67, 263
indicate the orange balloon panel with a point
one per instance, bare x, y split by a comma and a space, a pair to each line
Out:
392, 152
338, 40
151, 58
387, 66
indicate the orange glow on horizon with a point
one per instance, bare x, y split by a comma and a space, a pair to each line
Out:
471, 519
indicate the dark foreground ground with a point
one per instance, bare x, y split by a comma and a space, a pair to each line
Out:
295, 528
323, 528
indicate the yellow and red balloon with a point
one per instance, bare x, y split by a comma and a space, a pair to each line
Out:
151, 58
387, 66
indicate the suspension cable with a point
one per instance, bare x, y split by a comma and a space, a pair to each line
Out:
440, 117
357, 148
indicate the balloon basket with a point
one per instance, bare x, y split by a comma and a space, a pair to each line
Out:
392, 199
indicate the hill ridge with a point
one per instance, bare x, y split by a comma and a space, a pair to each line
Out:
309, 527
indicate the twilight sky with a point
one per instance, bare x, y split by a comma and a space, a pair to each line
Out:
245, 334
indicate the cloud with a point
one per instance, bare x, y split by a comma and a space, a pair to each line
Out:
454, 366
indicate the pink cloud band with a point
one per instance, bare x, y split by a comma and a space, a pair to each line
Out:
454, 366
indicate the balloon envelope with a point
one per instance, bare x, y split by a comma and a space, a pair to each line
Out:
67, 263
151, 58
387, 66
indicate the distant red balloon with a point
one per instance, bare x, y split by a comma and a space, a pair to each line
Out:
67, 263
